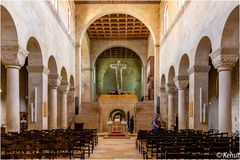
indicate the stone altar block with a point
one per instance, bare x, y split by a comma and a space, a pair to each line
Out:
108, 103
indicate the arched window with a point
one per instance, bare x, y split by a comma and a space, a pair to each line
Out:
165, 19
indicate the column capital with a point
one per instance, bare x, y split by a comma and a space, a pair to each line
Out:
181, 81
197, 68
224, 58
54, 80
162, 89
64, 87
170, 88
72, 88
13, 55
38, 69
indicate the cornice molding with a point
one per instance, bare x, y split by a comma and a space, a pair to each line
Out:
38, 69
196, 68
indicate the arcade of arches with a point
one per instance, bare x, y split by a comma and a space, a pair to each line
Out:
71, 62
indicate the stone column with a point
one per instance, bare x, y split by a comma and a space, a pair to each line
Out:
78, 70
163, 105
170, 91
64, 88
13, 57
38, 78
156, 73
54, 82
198, 78
224, 60
71, 105
181, 83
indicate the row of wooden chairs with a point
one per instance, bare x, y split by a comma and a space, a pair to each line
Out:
49, 144
184, 144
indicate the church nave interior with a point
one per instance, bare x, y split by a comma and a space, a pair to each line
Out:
88, 79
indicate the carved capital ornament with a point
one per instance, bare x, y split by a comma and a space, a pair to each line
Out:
181, 81
54, 81
225, 58
13, 55
64, 87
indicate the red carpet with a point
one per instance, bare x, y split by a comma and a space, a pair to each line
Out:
117, 134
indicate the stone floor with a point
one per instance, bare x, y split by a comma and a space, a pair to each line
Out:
116, 149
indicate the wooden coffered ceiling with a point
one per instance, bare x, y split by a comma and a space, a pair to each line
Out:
116, 1
117, 26
118, 52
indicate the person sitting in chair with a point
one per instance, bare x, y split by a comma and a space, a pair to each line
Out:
155, 123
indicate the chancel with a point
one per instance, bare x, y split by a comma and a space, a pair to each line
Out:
150, 79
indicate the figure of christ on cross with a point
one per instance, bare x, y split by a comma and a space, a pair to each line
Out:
120, 67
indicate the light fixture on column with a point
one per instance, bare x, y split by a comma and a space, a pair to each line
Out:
202, 108
34, 107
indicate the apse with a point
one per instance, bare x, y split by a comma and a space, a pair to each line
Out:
109, 80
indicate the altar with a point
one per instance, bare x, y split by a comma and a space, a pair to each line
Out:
114, 110
117, 126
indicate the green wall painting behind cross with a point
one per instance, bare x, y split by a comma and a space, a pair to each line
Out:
106, 77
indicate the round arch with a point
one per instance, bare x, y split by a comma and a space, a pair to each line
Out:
117, 45
203, 50
183, 65
117, 112
230, 35
72, 81
35, 53
114, 11
163, 80
171, 75
52, 65
9, 34
64, 74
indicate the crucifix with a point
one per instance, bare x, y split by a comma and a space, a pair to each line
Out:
120, 67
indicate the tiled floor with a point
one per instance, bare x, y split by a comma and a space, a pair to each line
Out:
116, 149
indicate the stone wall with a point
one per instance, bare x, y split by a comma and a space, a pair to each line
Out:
3, 94
213, 99
23, 89
235, 99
